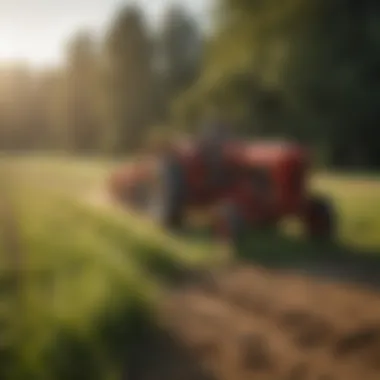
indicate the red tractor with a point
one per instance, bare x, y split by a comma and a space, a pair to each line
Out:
247, 185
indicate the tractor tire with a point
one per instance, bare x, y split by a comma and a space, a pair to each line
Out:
230, 224
320, 219
166, 194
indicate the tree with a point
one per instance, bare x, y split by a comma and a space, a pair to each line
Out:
50, 109
16, 95
129, 79
180, 50
317, 61
80, 89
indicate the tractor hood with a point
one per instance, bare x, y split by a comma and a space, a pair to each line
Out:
266, 153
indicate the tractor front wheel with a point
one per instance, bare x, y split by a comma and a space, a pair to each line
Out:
319, 219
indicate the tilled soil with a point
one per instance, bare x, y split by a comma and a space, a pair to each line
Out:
250, 323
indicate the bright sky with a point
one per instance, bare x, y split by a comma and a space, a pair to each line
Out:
36, 30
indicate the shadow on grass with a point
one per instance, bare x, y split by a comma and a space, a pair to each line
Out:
332, 260
323, 259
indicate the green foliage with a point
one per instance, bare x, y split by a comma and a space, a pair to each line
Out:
307, 69
129, 77
180, 42
81, 91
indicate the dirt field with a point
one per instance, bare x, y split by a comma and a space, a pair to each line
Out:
249, 323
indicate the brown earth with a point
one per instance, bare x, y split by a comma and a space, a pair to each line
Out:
249, 323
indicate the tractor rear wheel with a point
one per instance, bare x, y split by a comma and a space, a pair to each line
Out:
166, 194
320, 219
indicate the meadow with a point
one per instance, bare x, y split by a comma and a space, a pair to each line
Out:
81, 278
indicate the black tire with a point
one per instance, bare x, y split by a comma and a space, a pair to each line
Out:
166, 194
320, 219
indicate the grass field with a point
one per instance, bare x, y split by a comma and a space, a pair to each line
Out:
79, 280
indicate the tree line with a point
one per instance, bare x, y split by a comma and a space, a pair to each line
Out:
306, 69
300, 69
109, 93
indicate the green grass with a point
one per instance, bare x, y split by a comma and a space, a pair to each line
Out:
88, 277
78, 282
357, 200
86, 280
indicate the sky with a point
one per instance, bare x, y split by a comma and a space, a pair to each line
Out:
35, 31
